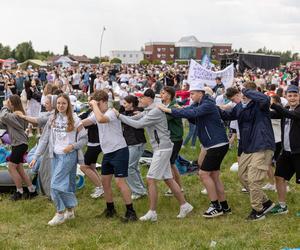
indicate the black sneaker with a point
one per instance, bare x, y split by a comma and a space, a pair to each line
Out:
30, 195
267, 206
226, 211
254, 215
16, 196
130, 215
212, 212
108, 213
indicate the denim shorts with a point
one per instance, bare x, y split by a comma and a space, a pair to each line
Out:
116, 163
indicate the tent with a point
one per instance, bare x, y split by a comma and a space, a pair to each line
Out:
35, 63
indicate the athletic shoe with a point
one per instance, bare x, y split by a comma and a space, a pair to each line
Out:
269, 186
97, 193
212, 212
169, 192
226, 211
185, 209
204, 191
244, 190
69, 215
16, 196
129, 216
254, 215
30, 195
150, 215
108, 213
279, 209
56, 220
267, 206
137, 196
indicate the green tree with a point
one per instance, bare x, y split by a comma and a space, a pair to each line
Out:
24, 51
5, 51
43, 55
66, 50
144, 62
116, 60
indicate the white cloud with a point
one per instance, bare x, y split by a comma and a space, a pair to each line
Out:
50, 24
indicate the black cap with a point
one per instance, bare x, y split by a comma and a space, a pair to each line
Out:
149, 93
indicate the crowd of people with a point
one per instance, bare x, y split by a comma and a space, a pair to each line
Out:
261, 109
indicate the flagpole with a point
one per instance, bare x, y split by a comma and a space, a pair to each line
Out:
101, 41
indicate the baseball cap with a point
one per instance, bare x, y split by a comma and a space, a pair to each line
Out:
292, 88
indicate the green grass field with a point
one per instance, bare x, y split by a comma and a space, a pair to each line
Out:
23, 224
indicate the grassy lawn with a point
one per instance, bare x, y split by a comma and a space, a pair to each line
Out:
23, 224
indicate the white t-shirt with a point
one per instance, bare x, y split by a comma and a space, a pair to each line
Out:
76, 79
62, 138
122, 95
110, 134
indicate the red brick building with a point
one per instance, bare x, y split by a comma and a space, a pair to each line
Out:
185, 49
159, 51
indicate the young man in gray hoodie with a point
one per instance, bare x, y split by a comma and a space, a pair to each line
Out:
155, 122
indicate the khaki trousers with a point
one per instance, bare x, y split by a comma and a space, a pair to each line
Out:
252, 171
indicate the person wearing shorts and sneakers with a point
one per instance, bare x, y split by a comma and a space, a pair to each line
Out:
91, 157
116, 154
257, 143
211, 132
175, 127
288, 162
156, 125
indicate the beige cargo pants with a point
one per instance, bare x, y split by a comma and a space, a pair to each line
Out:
252, 172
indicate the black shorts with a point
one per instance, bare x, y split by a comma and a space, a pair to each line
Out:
76, 86
91, 154
287, 165
240, 150
213, 158
277, 151
17, 153
175, 152
116, 163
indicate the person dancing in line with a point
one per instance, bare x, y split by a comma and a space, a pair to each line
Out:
116, 154
16, 127
91, 156
212, 134
65, 136
175, 127
156, 125
135, 139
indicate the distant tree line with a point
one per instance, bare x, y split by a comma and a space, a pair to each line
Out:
285, 56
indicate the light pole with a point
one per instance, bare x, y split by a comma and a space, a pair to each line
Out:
101, 41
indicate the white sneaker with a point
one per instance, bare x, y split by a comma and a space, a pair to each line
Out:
269, 186
69, 215
97, 193
150, 215
244, 190
168, 193
184, 210
57, 219
137, 196
204, 191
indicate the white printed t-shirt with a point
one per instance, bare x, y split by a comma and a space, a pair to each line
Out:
62, 138
110, 134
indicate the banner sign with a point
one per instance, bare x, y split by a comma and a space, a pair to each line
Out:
200, 75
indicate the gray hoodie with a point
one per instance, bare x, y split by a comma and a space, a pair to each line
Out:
156, 125
15, 127
47, 139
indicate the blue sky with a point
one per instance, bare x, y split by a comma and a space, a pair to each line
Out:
129, 24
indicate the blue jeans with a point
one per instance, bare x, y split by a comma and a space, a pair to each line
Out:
134, 179
62, 183
192, 134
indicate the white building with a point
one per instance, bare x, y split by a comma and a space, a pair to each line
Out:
127, 56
